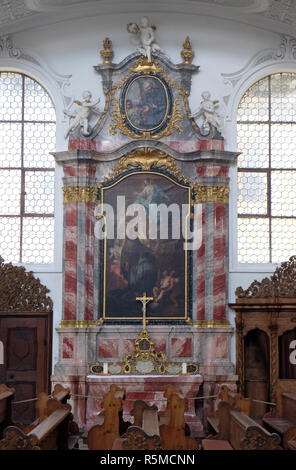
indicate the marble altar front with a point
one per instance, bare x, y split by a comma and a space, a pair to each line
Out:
146, 388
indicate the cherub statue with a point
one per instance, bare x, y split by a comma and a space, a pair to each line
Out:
207, 110
147, 43
81, 117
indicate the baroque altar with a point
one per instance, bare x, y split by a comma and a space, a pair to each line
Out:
145, 147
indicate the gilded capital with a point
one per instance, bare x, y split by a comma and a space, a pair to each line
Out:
79, 194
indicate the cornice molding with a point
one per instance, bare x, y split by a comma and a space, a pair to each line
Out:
266, 61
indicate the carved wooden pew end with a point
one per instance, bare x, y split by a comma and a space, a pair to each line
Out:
240, 431
50, 434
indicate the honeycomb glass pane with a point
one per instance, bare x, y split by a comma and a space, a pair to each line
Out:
254, 104
10, 239
253, 142
252, 197
10, 192
38, 240
38, 105
283, 148
253, 240
283, 97
39, 140
11, 92
39, 189
283, 193
283, 239
10, 144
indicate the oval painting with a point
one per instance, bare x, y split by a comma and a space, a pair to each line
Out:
146, 103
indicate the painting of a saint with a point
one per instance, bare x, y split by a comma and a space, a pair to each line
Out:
146, 103
155, 266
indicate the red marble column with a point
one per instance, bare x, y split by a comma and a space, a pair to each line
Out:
200, 314
220, 263
70, 266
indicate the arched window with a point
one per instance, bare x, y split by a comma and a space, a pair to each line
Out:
27, 135
267, 170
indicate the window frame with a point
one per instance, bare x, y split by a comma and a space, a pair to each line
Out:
235, 264
41, 267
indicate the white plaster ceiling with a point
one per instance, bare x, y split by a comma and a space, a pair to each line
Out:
272, 15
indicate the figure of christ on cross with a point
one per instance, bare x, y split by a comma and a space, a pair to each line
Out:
144, 299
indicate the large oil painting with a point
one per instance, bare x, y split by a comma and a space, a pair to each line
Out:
157, 266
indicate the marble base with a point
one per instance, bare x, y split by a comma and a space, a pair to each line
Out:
147, 388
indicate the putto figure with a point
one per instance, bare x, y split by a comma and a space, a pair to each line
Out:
81, 117
207, 109
146, 42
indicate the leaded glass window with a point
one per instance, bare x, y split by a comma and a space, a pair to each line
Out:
267, 170
27, 136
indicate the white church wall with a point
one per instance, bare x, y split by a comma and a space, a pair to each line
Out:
72, 48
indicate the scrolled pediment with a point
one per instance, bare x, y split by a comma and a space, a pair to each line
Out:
281, 284
20, 291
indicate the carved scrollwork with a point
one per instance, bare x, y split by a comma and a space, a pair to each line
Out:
15, 439
136, 439
280, 284
20, 291
256, 439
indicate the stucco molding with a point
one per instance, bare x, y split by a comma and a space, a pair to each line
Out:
264, 62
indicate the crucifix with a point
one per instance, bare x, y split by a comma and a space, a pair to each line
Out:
144, 299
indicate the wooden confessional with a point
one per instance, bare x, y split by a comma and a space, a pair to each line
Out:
25, 331
265, 328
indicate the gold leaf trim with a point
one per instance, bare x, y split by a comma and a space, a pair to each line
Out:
107, 52
187, 53
211, 194
119, 120
212, 324
77, 324
74, 194
146, 158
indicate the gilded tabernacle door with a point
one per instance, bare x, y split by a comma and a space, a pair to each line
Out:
143, 222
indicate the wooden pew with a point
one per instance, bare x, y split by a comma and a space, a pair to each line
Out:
46, 406
292, 444
283, 418
236, 400
6, 396
165, 416
60, 393
50, 434
144, 433
172, 435
238, 431
102, 435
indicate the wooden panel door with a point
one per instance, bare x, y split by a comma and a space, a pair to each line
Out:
27, 353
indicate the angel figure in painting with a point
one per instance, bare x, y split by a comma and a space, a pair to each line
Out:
81, 117
207, 110
147, 43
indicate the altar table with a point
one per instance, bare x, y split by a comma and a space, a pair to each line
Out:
147, 388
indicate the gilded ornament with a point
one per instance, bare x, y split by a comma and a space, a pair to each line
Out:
107, 52
77, 324
216, 194
148, 158
75, 194
187, 53
212, 324
120, 119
